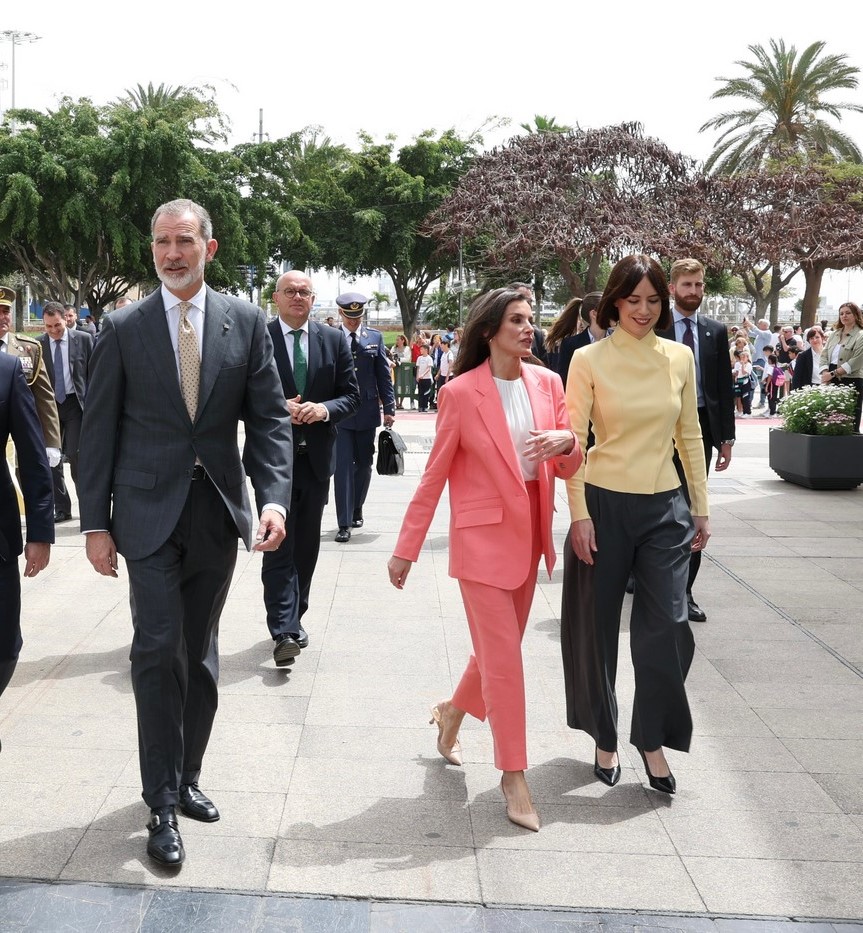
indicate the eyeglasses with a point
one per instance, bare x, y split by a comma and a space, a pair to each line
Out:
302, 292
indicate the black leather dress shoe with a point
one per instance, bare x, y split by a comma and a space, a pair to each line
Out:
358, 519
302, 638
343, 535
608, 776
696, 613
196, 805
62, 517
286, 649
165, 844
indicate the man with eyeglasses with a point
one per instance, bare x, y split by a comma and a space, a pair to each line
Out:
320, 388
355, 445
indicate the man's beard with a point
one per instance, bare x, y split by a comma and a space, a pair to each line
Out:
181, 278
690, 303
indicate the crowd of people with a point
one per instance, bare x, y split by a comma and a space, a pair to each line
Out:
147, 414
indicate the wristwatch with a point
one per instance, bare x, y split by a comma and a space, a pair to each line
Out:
730, 443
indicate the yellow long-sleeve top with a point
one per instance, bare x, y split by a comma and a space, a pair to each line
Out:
639, 394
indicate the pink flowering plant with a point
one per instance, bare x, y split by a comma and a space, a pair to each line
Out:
821, 409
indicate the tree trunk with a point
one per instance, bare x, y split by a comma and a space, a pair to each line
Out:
20, 299
572, 278
775, 288
593, 267
813, 273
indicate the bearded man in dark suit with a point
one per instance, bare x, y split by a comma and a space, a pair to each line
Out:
162, 484
708, 340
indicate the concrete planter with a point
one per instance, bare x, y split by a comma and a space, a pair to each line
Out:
817, 462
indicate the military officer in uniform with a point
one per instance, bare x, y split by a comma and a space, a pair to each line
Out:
355, 443
29, 351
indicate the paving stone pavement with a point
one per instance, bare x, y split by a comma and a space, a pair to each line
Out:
337, 813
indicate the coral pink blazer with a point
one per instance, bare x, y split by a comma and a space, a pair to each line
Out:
490, 533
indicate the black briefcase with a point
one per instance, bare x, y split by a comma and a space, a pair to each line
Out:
391, 453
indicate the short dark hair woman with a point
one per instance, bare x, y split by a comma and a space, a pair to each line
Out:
629, 513
502, 436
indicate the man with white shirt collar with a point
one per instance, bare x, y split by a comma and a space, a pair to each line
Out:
66, 353
162, 484
320, 388
708, 340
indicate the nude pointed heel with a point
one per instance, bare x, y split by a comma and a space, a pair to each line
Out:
452, 755
529, 820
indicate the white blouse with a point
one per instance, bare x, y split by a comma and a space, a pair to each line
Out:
519, 417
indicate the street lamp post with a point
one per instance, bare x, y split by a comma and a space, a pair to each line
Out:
17, 37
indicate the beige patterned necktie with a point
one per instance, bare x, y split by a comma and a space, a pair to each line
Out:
190, 360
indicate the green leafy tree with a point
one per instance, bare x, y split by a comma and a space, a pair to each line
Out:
367, 216
78, 186
193, 105
280, 176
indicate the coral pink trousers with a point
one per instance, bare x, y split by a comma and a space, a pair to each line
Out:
493, 682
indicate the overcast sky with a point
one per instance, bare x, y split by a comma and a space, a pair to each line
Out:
399, 67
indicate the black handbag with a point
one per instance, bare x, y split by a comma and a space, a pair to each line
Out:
391, 453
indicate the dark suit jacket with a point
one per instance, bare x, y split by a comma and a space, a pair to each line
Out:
330, 380
802, 375
568, 346
138, 444
717, 385
374, 378
19, 420
80, 352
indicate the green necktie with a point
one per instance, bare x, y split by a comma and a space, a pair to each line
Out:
300, 364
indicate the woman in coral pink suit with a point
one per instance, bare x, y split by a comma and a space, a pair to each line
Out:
502, 436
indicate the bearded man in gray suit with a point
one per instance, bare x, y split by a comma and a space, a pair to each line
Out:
161, 482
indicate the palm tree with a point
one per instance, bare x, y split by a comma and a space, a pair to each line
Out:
786, 108
543, 124
195, 106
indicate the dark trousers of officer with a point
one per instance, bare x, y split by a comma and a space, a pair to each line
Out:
652, 534
10, 619
70, 424
177, 595
287, 572
355, 451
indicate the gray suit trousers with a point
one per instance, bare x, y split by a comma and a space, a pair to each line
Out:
177, 595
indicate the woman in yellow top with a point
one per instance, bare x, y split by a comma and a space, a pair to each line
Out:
629, 513
842, 359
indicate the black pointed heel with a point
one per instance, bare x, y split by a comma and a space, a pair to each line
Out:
608, 776
665, 784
